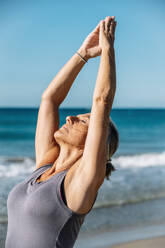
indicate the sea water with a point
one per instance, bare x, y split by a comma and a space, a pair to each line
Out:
140, 159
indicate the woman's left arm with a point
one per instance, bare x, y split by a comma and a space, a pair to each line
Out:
46, 147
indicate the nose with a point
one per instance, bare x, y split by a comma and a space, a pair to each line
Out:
70, 119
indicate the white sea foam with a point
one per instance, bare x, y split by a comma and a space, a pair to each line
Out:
13, 167
141, 160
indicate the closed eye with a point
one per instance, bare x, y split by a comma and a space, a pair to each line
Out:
83, 121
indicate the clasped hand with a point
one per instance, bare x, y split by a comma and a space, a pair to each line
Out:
102, 37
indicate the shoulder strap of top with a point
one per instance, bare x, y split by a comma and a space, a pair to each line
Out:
43, 166
37, 171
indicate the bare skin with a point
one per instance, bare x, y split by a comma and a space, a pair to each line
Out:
76, 128
80, 144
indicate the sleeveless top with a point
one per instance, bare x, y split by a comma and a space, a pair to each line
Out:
38, 216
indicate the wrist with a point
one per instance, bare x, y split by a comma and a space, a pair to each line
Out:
108, 50
83, 53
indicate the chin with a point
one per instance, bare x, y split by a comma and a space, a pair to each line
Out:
57, 135
60, 137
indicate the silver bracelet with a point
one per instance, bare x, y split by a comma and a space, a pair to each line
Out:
82, 58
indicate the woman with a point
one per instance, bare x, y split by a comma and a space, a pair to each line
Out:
48, 208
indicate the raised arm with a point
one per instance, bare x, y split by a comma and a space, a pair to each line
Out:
94, 156
90, 173
47, 149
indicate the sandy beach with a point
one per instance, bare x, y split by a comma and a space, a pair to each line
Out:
151, 236
158, 242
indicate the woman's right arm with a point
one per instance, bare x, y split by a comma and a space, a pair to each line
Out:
91, 172
94, 156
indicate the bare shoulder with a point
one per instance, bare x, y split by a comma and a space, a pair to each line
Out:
79, 192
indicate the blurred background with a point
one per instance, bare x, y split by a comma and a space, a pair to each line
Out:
37, 39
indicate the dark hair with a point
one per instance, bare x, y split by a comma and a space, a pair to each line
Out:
112, 145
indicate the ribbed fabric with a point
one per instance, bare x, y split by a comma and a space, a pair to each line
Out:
37, 215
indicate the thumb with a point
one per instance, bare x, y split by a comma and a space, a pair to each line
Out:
96, 29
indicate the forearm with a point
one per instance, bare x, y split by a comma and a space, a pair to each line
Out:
106, 80
61, 84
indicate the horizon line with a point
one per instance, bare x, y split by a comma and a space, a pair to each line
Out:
30, 107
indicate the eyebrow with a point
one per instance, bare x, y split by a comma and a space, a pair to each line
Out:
83, 116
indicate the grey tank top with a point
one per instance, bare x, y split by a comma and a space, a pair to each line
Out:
38, 216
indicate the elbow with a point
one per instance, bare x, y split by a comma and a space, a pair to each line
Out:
103, 100
46, 96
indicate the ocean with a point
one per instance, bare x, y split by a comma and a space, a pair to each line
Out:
140, 163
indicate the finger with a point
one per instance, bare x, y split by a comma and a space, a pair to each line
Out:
112, 28
96, 29
107, 23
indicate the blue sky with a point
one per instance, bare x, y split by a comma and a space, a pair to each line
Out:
39, 37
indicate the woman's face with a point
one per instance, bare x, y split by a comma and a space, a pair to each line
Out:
74, 131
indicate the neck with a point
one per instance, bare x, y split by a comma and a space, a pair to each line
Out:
67, 157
